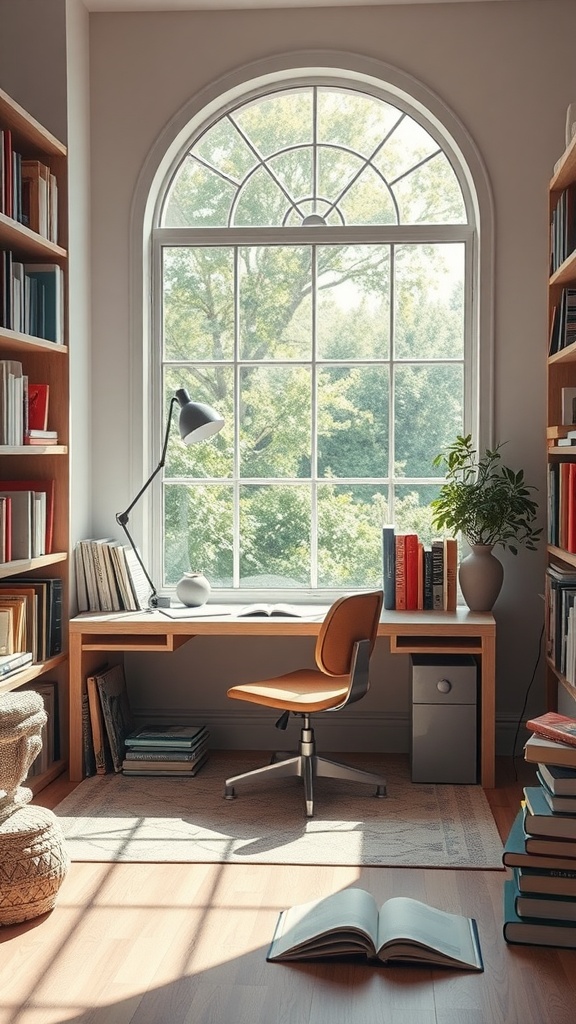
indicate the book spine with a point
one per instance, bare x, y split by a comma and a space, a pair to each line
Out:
55, 644
450, 570
428, 596
437, 575
400, 587
389, 567
411, 570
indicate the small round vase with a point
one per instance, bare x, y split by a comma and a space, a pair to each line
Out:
193, 589
481, 575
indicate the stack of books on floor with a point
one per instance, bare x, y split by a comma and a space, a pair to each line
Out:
540, 899
166, 750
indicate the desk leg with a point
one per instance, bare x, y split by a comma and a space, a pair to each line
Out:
488, 713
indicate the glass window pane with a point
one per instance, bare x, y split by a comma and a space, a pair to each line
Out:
412, 512
198, 534
353, 421
261, 202
223, 147
353, 302
431, 194
213, 457
350, 535
275, 303
368, 200
294, 173
407, 146
277, 121
353, 120
275, 418
197, 198
198, 302
275, 536
428, 414
429, 301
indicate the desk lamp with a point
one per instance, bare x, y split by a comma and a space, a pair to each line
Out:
196, 422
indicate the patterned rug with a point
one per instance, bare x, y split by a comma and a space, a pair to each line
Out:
116, 818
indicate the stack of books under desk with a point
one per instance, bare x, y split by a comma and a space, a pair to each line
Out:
166, 750
540, 899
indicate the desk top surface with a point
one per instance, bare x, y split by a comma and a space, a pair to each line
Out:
225, 620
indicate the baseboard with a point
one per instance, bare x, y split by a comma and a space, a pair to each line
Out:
373, 732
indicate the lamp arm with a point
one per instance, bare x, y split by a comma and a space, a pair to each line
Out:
122, 518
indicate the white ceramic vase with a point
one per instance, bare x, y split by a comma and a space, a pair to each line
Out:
193, 589
481, 575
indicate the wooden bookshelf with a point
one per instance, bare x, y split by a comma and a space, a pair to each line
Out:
42, 361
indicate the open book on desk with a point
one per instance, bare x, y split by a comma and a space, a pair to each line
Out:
349, 923
290, 610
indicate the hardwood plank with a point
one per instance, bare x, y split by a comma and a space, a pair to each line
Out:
186, 943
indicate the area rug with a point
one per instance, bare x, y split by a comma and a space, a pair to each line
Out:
150, 819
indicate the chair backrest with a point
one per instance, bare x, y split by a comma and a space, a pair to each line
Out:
349, 620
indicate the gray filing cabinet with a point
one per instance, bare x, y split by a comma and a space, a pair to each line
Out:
444, 718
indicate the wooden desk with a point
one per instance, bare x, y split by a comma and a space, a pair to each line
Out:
460, 632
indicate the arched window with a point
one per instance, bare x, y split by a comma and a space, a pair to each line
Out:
314, 259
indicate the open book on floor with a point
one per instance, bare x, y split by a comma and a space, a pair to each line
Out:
349, 923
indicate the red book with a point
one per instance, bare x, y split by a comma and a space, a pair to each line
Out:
553, 726
38, 406
564, 493
400, 571
411, 570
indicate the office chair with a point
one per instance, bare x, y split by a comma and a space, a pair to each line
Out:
342, 654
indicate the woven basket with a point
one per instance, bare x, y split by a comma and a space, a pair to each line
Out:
33, 863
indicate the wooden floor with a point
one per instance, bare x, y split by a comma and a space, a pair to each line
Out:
186, 944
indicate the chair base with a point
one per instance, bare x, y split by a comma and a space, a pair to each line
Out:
307, 766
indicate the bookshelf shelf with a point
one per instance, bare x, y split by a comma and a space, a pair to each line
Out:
42, 361
30, 673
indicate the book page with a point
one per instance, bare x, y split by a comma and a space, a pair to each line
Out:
271, 609
413, 930
342, 922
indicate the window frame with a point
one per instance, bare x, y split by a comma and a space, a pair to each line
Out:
477, 356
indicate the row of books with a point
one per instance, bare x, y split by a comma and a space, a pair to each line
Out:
109, 577
416, 577
23, 408
563, 322
563, 228
26, 519
562, 504
32, 298
30, 621
112, 743
28, 190
540, 897
560, 600
50, 734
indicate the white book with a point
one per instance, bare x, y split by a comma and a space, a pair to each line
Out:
22, 502
80, 577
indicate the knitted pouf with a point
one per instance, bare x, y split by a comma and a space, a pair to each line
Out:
33, 856
33, 863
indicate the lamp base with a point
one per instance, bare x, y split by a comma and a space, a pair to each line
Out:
161, 602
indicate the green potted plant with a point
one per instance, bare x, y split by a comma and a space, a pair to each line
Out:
490, 504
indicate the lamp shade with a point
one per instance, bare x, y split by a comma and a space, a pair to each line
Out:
196, 421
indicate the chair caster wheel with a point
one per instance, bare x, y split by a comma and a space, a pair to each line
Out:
229, 793
380, 791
